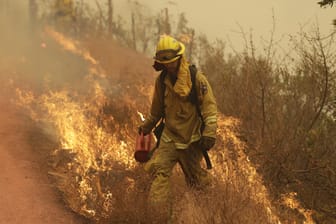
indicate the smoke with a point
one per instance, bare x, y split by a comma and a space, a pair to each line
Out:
33, 58
16, 32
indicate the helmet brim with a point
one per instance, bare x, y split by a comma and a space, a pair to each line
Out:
178, 55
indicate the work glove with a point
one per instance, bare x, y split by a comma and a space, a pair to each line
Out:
207, 142
143, 130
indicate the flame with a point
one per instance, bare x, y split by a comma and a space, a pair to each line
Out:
228, 133
246, 173
142, 117
291, 201
94, 147
73, 46
185, 38
74, 118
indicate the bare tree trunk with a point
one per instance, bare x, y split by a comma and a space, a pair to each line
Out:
110, 17
263, 108
158, 23
33, 12
133, 32
191, 44
79, 16
145, 45
166, 22
325, 87
101, 17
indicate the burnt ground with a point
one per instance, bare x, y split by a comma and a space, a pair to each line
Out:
27, 194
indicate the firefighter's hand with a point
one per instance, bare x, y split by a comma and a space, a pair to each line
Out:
207, 142
143, 130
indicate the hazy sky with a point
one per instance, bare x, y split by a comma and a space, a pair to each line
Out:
220, 18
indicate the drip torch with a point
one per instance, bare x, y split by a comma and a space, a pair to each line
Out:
143, 144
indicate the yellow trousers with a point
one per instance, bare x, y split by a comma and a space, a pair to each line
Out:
161, 166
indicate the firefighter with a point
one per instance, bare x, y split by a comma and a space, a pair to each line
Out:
64, 8
64, 15
184, 136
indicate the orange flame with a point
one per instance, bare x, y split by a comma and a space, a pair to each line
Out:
94, 147
70, 45
291, 201
142, 117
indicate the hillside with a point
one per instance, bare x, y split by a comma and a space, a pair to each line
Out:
28, 194
82, 99
71, 107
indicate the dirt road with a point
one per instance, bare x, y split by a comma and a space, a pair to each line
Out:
26, 192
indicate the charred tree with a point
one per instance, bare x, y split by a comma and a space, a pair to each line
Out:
167, 27
110, 16
133, 32
33, 12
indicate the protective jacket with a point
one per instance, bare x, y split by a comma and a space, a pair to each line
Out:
182, 122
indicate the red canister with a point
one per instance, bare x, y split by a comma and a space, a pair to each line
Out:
143, 146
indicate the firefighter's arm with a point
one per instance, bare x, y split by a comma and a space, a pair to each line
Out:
156, 111
208, 106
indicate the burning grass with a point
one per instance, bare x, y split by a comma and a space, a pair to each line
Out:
93, 165
95, 169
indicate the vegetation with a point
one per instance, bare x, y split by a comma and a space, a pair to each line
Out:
330, 3
288, 117
326, 2
286, 103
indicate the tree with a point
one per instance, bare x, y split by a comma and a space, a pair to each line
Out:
185, 34
142, 27
163, 23
323, 3
33, 11
110, 16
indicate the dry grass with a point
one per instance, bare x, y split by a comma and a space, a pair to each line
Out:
94, 166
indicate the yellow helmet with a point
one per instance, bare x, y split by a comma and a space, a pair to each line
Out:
168, 50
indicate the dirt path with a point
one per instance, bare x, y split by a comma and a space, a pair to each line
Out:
26, 192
